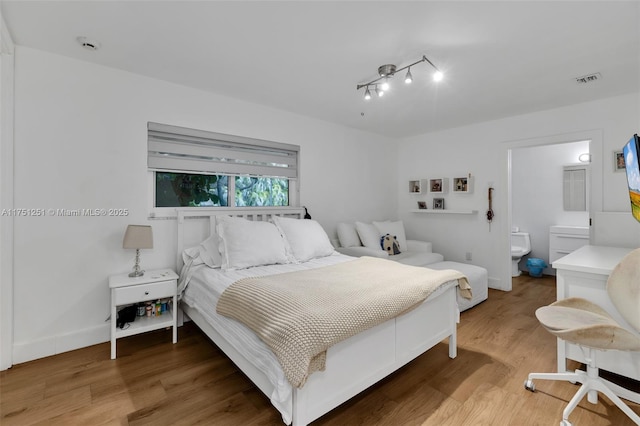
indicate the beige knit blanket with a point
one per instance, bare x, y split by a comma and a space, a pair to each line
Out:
299, 315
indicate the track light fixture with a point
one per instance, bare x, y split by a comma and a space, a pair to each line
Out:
386, 72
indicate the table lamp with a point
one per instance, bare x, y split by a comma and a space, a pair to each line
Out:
138, 237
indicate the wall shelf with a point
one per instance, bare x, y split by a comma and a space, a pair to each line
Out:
436, 211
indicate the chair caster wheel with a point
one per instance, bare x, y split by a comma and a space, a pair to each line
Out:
530, 386
565, 423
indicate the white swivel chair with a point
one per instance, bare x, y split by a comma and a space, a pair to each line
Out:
585, 324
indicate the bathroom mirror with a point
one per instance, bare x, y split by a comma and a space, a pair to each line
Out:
575, 179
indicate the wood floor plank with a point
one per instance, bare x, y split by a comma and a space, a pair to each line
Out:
445, 410
192, 382
415, 408
46, 408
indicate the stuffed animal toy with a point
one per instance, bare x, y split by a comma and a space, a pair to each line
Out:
390, 244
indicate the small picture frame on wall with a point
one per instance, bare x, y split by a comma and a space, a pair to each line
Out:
618, 161
422, 205
438, 203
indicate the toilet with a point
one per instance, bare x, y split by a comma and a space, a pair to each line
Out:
520, 246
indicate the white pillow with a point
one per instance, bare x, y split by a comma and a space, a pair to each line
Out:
305, 237
395, 229
210, 252
191, 254
369, 235
246, 243
206, 252
347, 235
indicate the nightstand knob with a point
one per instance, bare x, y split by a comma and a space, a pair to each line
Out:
146, 293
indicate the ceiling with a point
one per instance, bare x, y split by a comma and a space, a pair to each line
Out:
499, 58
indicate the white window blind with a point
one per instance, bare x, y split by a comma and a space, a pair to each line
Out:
179, 149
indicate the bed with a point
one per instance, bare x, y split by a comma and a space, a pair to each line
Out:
351, 365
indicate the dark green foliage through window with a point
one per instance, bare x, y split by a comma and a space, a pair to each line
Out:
196, 190
190, 190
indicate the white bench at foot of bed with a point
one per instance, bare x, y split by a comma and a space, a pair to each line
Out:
478, 280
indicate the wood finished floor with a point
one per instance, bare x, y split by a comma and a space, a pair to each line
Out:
192, 382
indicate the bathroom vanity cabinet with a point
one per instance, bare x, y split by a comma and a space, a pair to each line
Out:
566, 239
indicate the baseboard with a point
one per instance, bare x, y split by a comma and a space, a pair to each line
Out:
495, 283
35, 349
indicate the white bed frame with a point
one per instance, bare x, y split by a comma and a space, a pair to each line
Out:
352, 365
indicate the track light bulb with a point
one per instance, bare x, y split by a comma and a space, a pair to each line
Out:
437, 76
409, 78
385, 84
379, 92
367, 94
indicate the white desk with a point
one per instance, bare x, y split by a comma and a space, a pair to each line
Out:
584, 273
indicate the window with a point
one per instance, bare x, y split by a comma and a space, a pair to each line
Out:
193, 168
261, 191
190, 190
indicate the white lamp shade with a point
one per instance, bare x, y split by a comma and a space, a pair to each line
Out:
138, 237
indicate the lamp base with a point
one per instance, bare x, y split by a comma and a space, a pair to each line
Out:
137, 272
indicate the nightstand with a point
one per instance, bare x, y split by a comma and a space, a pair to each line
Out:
152, 286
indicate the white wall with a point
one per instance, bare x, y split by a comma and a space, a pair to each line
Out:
482, 150
6, 194
537, 193
80, 142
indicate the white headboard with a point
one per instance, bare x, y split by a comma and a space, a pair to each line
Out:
196, 224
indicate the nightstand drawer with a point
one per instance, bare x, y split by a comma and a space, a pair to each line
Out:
140, 293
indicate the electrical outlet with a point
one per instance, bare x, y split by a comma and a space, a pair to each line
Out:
467, 256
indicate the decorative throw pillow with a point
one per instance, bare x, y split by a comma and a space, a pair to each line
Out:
246, 243
393, 228
369, 235
347, 235
389, 243
305, 238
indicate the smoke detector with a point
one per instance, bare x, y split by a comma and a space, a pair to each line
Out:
88, 43
588, 78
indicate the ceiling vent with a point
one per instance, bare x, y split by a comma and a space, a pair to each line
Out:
588, 78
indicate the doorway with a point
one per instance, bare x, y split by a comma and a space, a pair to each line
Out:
515, 149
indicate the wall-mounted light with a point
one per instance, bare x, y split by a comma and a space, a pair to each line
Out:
387, 71
585, 157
